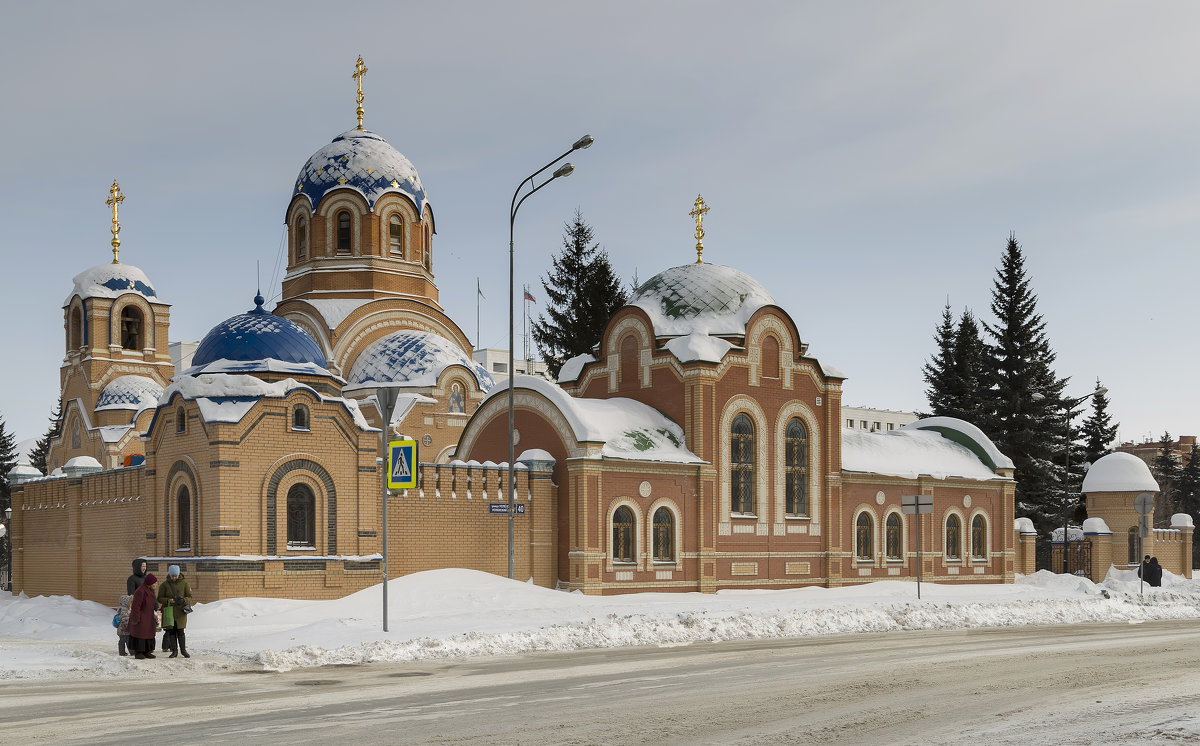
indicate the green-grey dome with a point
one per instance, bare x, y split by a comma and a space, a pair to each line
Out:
701, 298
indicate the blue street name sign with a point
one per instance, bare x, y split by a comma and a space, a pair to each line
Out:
502, 508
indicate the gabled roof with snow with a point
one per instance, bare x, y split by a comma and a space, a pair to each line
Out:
627, 429
362, 161
228, 397
412, 358
111, 280
912, 451
1119, 472
700, 298
129, 392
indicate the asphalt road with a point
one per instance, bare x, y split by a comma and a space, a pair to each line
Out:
1107, 684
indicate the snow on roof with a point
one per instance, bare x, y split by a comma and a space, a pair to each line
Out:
1181, 520
706, 298
413, 358
1096, 526
250, 340
1119, 472
698, 347
82, 462
571, 369
362, 161
627, 429
111, 281
129, 392
909, 453
24, 449
227, 398
1024, 526
966, 434
23, 470
265, 365
335, 310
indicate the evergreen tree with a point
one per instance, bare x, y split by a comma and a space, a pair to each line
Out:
37, 456
1187, 489
8, 459
939, 372
971, 381
583, 293
1168, 473
1098, 431
1026, 415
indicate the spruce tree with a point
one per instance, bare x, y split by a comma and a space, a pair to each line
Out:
37, 456
1167, 472
8, 459
1026, 415
582, 295
1187, 489
939, 372
971, 381
1098, 430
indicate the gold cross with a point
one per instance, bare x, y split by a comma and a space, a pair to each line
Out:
699, 210
115, 198
359, 71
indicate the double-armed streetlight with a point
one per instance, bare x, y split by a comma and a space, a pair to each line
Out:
1070, 404
563, 170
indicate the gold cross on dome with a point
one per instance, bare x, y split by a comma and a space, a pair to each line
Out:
699, 210
359, 71
115, 198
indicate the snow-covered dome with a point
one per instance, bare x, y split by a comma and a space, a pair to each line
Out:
362, 161
111, 281
1119, 472
414, 358
701, 298
257, 341
129, 392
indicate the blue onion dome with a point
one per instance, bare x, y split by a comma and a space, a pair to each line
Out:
412, 358
129, 392
362, 161
112, 281
258, 341
701, 298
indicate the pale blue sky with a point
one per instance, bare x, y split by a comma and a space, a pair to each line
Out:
863, 160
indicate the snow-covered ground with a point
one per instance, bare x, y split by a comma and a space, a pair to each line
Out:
464, 613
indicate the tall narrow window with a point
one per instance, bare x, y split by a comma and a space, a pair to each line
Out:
300, 417
629, 362
457, 400
131, 328
183, 510
76, 439
180, 420
664, 535
978, 537
396, 236
795, 461
770, 357
891, 536
622, 535
301, 518
343, 232
301, 238
428, 249
864, 537
953, 537
741, 465
75, 331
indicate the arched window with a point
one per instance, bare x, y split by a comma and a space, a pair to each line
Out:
131, 328
396, 236
183, 510
180, 420
343, 232
622, 535
299, 417
75, 330
458, 403
770, 357
1133, 545
741, 465
978, 537
76, 439
796, 468
664, 535
428, 249
301, 238
301, 518
953, 537
629, 362
891, 536
864, 537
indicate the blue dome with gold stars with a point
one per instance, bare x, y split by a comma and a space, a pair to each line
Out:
362, 161
258, 342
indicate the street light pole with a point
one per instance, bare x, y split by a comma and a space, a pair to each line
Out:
564, 170
1071, 404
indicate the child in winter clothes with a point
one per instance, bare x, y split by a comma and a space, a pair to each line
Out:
123, 627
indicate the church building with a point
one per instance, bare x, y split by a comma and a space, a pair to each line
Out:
699, 447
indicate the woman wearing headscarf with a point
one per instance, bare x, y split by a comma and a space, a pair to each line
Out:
139, 574
142, 623
175, 596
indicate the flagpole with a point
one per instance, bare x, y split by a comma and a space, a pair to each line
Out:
478, 295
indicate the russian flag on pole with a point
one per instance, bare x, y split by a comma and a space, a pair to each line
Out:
529, 296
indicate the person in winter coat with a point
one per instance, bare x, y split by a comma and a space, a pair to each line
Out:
142, 622
1154, 573
123, 625
175, 594
139, 573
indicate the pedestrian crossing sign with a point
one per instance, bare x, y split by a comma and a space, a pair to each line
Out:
402, 464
